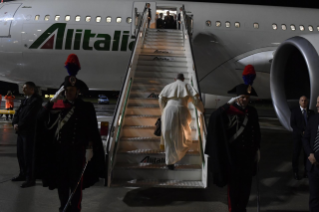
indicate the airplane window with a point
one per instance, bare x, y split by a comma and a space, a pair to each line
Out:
37, 17
237, 24
310, 28
67, 18
302, 28
77, 18
218, 24
227, 24
118, 20
88, 18
57, 18
256, 25
283, 27
108, 19
208, 23
98, 19
293, 28
129, 20
274, 26
47, 17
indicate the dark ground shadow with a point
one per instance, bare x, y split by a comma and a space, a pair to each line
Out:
144, 197
276, 186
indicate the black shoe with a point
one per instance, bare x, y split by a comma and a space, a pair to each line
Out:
18, 178
27, 184
296, 176
171, 167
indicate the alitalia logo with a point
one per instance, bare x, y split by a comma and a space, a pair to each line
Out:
57, 37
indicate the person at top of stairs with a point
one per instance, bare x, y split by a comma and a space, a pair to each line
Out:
176, 118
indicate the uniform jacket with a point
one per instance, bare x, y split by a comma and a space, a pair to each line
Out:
227, 157
309, 138
66, 152
9, 101
297, 121
26, 114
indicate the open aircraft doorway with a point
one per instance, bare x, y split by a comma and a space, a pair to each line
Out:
168, 17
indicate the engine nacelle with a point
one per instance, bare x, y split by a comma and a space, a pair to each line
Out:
294, 72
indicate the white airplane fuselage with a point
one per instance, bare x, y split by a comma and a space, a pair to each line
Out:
104, 48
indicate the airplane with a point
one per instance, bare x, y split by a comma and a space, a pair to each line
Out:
280, 42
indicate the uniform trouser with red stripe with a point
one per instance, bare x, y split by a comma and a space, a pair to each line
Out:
65, 187
239, 187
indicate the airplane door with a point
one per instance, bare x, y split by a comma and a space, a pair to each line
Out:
138, 8
6, 17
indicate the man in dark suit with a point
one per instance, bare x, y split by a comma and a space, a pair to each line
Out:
24, 123
148, 5
298, 121
179, 18
160, 22
311, 146
169, 21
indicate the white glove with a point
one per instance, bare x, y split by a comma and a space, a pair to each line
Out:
88, 154
233, 100
57, 94
258, 156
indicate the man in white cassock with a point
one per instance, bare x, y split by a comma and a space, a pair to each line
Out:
176, 118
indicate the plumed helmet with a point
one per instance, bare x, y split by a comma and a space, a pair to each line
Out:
72, 64
249, 75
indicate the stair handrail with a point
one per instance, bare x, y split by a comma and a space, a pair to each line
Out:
125, 89
201, 128
191, 47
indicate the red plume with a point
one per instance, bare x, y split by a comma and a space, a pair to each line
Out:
73, 59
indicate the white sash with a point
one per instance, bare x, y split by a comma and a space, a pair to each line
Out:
240, 130
61, 123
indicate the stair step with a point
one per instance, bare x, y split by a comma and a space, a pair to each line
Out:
146, 101
140, 155
144, 106
147, 143
141, 120
154, 81
143, 111
129, 174
163, 63
151, 152
167, 47
169, 31
160, 44
147, 87
136, 120
178, 167
163, 69
145, 131
154, 75
163, 51
159, 183
164, 36
164, 59
142, 94
163, 41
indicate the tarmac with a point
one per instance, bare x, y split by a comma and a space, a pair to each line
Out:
278, 191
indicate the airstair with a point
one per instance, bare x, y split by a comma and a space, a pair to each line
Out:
134, 155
